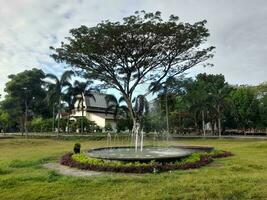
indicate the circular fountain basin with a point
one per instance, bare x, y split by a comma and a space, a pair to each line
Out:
148, 154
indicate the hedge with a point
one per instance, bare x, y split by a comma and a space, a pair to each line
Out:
191, 162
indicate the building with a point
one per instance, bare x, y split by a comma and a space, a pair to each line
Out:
95, 109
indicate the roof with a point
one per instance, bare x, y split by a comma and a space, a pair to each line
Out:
98, 101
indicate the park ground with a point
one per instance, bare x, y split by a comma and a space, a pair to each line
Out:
22, 175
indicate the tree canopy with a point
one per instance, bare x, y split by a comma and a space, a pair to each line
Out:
142, 48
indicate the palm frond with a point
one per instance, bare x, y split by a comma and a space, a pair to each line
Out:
141, 105
110, 108
121, 99
88, 93
66, 76
52, 77
111, 99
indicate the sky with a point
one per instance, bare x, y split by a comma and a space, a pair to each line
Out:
238, 30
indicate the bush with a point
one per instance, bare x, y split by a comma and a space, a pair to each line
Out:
124, 124
89, 126
108, 127
77, 148
40, 125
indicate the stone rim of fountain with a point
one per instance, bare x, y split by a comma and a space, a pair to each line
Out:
194, 148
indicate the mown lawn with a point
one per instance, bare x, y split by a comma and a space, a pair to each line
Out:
243, 176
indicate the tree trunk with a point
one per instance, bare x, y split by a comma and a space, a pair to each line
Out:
58, 117
167, 114
195, 123
203, 123
212, 127
22, 125
26, 119
219, 122
68, 124
180, 121
82, 116
53, 126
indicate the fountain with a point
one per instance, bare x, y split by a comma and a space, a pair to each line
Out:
138, 152
148, 153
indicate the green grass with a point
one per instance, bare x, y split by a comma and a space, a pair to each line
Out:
243, 176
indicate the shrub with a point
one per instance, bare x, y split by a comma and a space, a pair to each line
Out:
40, 125
77, 148
89, 126
108, 127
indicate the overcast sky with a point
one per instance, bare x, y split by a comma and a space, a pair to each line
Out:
238, 29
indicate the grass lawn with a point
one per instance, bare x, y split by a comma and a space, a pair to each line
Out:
243, 176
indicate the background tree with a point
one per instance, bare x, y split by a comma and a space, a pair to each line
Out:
25, 94
114, 106
4, 121
245, 107
263, 112
214, 95
12, 106
170, 88
82, 89
69, 97
56, 91
197, 99
141, 49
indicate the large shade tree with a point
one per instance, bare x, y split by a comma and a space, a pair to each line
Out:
142, 48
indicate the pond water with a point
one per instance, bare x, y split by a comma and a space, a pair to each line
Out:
148, 153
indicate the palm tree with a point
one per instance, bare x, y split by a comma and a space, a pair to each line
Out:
69, 98
82, 89
171, 85
199, 103
55, 90
141, 108
114, 105
219, 99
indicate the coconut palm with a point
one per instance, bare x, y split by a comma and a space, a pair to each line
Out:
171, 85
55, 90
114, 105
198, 101
69, 98
219, 99
82, 89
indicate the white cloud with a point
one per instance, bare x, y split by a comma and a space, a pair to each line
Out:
238, 30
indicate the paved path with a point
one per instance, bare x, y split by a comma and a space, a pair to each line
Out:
64, 170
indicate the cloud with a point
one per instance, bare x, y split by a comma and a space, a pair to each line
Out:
238, 30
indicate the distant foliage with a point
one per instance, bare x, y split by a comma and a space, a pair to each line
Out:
40, 125
89, 126
108, 127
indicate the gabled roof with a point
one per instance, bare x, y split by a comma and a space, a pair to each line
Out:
99, 101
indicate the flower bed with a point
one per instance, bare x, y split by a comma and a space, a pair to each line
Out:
196, 160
